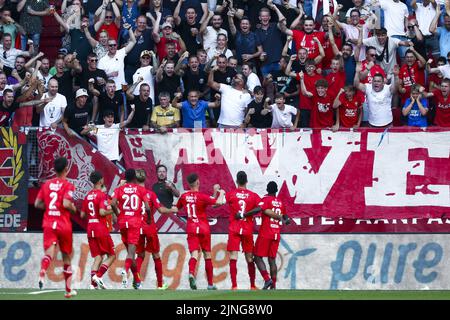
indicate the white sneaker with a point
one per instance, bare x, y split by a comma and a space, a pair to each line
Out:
99, 282
165, 286
70, 294
124, 279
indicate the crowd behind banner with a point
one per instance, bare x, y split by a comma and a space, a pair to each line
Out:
154, 64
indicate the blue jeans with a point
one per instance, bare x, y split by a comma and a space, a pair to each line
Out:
401, 50
36, 37
268, 68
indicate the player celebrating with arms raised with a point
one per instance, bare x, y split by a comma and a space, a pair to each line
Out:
96, 208
241, 230
56, 198
198, 232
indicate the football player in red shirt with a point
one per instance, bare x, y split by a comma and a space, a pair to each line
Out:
96, 208
241, 230
149, 240
129, 199
269, 233
197, 229
56, 198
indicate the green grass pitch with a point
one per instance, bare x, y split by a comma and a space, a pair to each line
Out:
129, 294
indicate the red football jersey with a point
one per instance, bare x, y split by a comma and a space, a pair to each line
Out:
196, 203
336, 81
304, 40
410, 75
148, 220
130, 198
241, 200
442, 117
270, 227
53, 192
310, 85
322, 112
97, 224
349, 110
373, 71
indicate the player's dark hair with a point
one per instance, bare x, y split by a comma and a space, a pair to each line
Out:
272, 187
95, 177
192, 178
130, 175
140, 175
241, 178
60, 164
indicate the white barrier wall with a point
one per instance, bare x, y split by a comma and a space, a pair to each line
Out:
311, 261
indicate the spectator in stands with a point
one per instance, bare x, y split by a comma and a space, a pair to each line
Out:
78, 114
100, 47
133, 60
416, 37
8, 54
411, 72
19, 71
147, 72
246, 43
113, 62
336, 77
442, 33
194, 78
52, 112
220, 48
188, 28
31, 13
156, 6
110, 99
143, 104
310, 78
193, 109
281, 113
200, 6
234, 100
71, 14
44, 71
92, 72
435, 78
415, 107
165, 116
284, 84
167, 80
322, 112
65, 78
210, 33
109, 20
425, 12
252, 78
442, 96
8, 25
359, 5
385, 49
379, 97
255, 117
108, 134
349, 107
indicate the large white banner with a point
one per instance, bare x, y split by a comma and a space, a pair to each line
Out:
310, 261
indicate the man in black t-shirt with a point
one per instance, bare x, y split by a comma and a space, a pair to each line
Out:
167, 80
92, 72
194, 78
286, 85
110, 99
188, 30
165, 190
78, 114
143, 105
65, 78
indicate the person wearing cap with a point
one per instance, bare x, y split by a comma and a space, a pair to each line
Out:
77, 114
146, 72
167, 36
266, 245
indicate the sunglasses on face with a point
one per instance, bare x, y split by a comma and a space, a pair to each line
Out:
93, 60
112, 44
108, 17
372, 55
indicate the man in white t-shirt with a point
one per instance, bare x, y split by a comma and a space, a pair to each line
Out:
51, 113
281, 113
378, 97
210, 33
108, 134
234, 100
252, 78
444, 70
113, 62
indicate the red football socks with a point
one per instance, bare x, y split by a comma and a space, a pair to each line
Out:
192, 265
251, 273
209, 271
158, 270
233, 272
67, 276
102, 270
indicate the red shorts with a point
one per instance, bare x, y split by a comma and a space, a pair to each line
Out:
265, 247
148, 241
101, 245
61, 237
234, 239
197, 241
130, 235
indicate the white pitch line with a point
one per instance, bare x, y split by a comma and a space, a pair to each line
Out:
45, 291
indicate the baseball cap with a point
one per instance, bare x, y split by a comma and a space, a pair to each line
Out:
166, 24
63, 51
81, 92
145, 53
